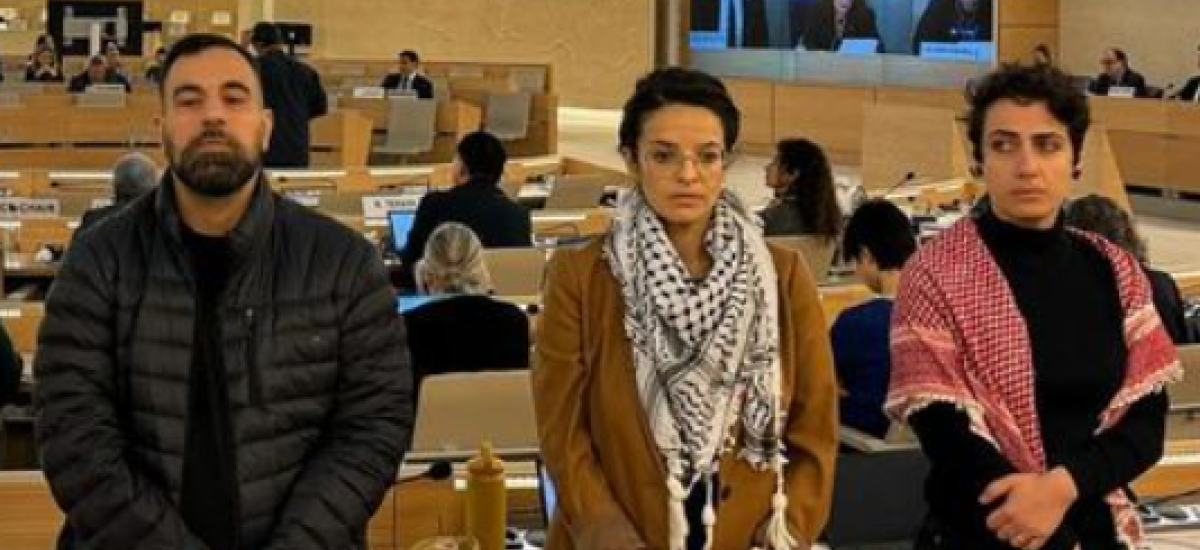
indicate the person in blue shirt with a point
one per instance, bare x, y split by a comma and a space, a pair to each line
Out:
878, 239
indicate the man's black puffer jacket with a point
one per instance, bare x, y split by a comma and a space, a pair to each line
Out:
319, 382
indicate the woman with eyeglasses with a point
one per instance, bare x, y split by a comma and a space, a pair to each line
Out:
683, 381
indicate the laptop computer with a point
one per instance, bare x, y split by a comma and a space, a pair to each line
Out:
400, 222
546, 492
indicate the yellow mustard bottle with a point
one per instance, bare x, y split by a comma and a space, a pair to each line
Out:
486, 508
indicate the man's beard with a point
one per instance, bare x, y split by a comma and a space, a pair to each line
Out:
214, 173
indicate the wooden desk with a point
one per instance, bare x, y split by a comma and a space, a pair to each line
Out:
30, 519
1178, 471
24, 265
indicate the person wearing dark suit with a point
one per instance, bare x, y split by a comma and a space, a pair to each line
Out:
10, 370
954, 21
476, 201
831, 21
96, 73
407, 79
293, 92
1101, 215
1191, 90
1116, 73
134, 175
455, 275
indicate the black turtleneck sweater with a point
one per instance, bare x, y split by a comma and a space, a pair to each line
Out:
1067, 295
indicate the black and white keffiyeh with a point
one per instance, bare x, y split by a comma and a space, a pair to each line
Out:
706, 352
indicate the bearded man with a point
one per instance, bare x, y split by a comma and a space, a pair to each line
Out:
219, 368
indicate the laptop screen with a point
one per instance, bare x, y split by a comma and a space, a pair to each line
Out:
546, 492
406, 302
399, 224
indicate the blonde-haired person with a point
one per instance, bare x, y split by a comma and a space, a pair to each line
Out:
684, 385
461, 328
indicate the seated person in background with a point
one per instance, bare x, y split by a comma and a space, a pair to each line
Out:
44, 67
1042, 57
954, 21
112, 56
134, 175
154, 71
1101, 215
878, 239
96, 73
475, 200
461, 329
10, 370
805, 201
1116, 73
1190, 90
406, 78
831, 21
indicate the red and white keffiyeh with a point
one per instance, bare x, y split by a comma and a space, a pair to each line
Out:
958, 337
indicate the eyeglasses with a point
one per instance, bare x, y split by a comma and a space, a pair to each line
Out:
673, 159
1108, 61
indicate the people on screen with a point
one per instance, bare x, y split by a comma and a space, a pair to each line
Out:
679, 341
219, 367
475, 200
294, 95
1102, 216
878, 241
1027, 358
830, 22
805, 201
1116, 76
461, 328
954, 21
407, 78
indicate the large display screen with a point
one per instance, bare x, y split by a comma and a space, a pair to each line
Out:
856, 41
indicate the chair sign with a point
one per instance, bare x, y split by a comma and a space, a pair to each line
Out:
22, 207
378, 206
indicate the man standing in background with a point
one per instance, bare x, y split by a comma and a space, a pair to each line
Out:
293, 92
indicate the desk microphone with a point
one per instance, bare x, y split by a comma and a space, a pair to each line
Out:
437, 471
908, 178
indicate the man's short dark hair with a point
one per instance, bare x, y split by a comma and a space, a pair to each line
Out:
410, 55
1025, 85
674, 86
483, 155
880, 227
1120, 55
266, 34
193, 44
97, 60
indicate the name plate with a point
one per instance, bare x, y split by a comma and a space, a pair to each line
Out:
23, 207
311, 200
378, 206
